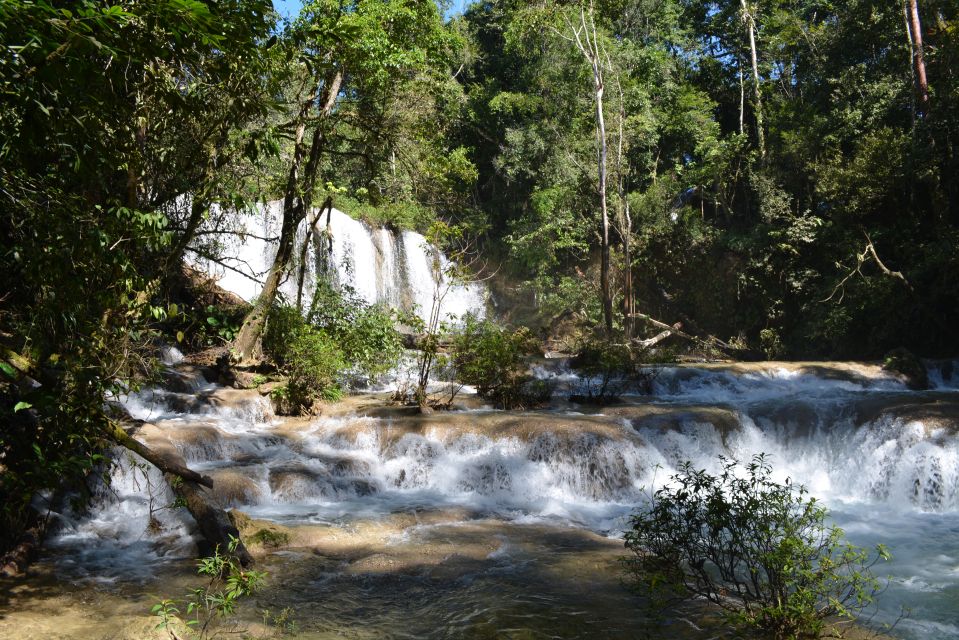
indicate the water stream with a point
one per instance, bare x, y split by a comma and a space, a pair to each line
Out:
482, 523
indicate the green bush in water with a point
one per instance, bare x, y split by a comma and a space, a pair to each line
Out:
314, 363
309, 357
609, 368
490, 357
759, 550
365, 333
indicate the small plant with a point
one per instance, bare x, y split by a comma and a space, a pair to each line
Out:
759, 550
219, 599
283, 621
224, 324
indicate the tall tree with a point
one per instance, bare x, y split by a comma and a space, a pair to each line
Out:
346, 56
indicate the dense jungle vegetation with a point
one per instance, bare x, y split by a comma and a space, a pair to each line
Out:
781, 174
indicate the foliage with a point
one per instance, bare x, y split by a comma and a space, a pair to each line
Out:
108, 114
366, 333
491, 358
608, 369
404, 216
283, 621
759, 550
228, 584
727, 236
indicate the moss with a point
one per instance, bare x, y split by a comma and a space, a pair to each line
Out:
270, 538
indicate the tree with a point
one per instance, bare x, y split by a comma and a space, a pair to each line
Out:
99, 106
346, 58
588, 44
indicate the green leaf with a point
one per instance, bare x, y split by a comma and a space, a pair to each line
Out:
21, 405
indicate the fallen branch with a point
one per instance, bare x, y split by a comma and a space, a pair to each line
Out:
188, 485
213, 521
709, 342
656, 339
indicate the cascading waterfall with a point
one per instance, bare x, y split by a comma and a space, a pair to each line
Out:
399, 269
884, 459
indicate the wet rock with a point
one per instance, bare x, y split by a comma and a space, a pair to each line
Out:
231, 488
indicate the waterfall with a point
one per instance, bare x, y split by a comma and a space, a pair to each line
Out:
399, 269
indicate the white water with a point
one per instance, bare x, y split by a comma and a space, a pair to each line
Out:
889, 472
399, 269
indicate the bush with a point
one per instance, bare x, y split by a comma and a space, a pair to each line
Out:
608, 370
759, 550
313, 363
490, 358
312, 360
365, 333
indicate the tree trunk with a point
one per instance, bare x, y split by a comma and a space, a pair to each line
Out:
198, 207
757, 94
586, 39
327, 205
296, 200
919, 56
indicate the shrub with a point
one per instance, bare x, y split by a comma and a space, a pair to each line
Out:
366, 333
313, 362
490, 358
759, 550
608, 370
311, 358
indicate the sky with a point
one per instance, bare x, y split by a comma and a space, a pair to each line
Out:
289, 8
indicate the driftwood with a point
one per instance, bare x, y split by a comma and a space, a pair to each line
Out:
15, 561
213, 521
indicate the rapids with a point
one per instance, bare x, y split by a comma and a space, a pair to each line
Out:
483, 523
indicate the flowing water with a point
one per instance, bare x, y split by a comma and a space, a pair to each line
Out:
397, 268
481, 523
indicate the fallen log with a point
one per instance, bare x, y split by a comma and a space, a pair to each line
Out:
656, 339
213, 521
163, 463
185, 483
16, 560
676, 329
188, 486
